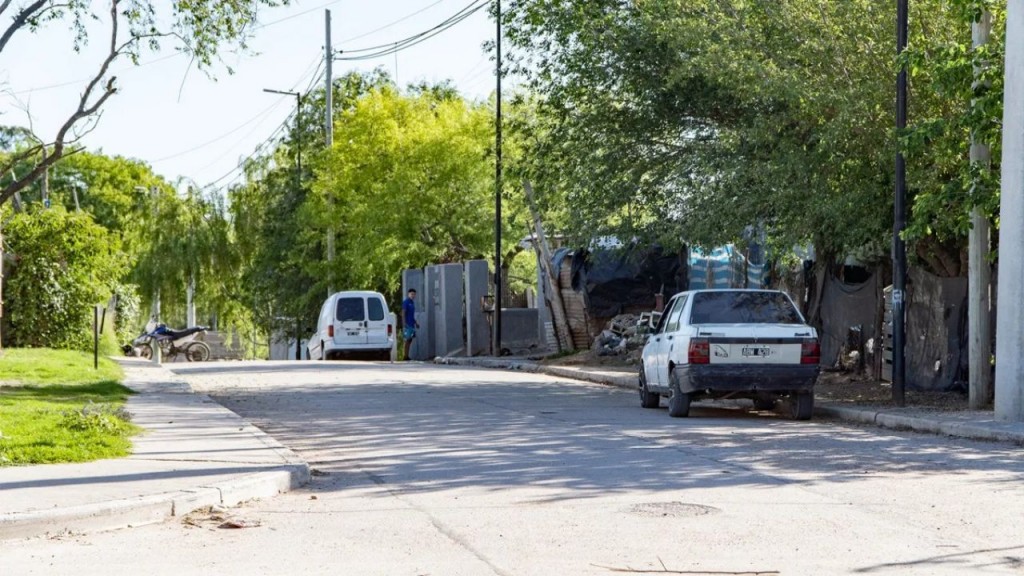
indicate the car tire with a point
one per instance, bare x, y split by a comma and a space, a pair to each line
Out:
648, 399
802, 405
678, 402
765, 404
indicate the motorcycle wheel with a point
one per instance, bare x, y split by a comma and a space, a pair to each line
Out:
197, 352
146, 351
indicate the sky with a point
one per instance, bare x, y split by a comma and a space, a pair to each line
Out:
184, 123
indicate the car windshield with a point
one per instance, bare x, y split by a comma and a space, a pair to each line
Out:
743, 308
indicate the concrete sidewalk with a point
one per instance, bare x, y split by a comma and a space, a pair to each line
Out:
973, 424
193, 453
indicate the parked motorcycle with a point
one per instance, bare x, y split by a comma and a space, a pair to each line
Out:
171, 343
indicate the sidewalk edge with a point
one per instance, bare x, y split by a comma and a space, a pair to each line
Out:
862, 415
151, 509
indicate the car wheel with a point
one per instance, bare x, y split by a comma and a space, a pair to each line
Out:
764, 403
678, 402
648, 399
802, 405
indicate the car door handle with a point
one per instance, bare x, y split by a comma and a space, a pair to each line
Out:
669, 337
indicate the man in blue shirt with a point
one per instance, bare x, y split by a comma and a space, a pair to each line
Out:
409, 320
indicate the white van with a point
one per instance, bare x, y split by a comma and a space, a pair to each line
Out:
353, 325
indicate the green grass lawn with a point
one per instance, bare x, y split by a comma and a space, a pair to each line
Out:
54, 407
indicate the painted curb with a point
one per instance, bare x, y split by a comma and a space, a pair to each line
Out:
872, 416
142, 510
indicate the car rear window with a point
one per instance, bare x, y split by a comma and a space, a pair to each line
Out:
351, 310
376, 309
743, 308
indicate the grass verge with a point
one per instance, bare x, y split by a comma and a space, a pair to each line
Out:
54, 407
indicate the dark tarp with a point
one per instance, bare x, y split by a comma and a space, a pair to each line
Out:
936, 332
615, 280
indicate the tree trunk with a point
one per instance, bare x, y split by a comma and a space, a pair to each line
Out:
552, 291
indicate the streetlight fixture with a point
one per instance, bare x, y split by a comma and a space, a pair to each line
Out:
298, 182
298, 136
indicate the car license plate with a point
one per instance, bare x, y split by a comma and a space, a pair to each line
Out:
757, 351
351, 333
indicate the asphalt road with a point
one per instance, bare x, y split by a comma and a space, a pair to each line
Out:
423, 469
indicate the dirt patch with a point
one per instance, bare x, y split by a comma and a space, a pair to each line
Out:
860, 390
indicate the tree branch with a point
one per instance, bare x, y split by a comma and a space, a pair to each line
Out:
84, 110
20, 20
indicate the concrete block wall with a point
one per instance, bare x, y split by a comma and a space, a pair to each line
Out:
415, 279
478, 329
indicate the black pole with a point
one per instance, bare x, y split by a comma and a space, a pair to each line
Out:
95, 337
899, 249
497, 184
298, 191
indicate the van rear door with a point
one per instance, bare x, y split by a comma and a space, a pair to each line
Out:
350, 321
377, 323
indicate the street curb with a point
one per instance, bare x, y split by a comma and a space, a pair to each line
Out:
862, 415
142, 510
291, 473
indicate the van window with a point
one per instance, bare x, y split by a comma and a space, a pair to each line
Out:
351, 310
376, 309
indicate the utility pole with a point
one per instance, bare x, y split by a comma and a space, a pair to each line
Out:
497, 183
1009, 393
329, 131
899, 249
979, 274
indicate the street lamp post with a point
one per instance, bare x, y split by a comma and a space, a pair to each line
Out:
298, 183
298, 135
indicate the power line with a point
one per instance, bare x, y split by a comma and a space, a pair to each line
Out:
405, 43
296, 15
259, 147
84, 80
262, 114
317, 76
390, 24
198, 147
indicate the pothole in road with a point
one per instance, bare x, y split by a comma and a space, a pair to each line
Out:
672, 510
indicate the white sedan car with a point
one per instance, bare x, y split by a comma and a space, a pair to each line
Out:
731, 344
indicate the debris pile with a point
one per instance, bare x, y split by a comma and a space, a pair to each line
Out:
624, 335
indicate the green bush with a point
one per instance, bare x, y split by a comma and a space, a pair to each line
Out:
64, 264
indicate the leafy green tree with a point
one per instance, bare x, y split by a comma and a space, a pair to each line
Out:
958, 92
411, 177
693, 120
64, 264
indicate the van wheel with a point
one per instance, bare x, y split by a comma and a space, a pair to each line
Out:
678, 402
648, 399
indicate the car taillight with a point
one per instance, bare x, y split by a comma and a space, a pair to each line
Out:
391, 330
699, 352
330, 331
810, 352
